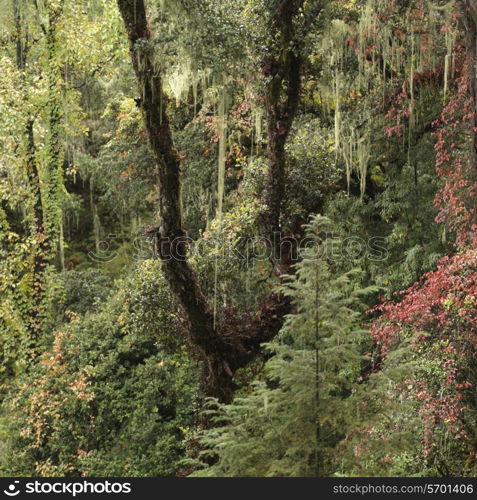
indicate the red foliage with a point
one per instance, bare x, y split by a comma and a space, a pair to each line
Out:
438, 314
431, 305
441, 310
456, 200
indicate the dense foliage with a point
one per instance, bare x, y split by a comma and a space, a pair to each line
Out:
348, 127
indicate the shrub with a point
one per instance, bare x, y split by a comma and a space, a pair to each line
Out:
115, 394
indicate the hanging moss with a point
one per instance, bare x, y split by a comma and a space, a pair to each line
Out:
222, 121
404, 52
222, 132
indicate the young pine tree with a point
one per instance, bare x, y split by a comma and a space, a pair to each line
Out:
290, 420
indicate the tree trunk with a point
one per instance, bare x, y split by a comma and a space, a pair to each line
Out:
53, 146
282, 71
171, 244
42, 249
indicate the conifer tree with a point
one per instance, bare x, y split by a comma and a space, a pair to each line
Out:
291, 421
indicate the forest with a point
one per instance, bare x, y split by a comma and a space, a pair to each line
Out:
238, 238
